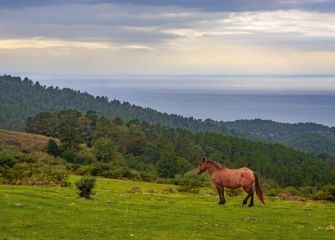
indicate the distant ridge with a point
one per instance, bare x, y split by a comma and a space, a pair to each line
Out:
23, 98
308, 137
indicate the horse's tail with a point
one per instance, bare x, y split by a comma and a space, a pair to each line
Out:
259, 190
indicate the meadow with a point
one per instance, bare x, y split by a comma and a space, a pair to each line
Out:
46, 212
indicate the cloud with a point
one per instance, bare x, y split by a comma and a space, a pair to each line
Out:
207, 5
40, 43
158, 36
157, 26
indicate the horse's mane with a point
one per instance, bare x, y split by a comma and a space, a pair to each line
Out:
216, 164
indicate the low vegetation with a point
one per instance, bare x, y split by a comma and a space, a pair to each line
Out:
85, 186
35, 168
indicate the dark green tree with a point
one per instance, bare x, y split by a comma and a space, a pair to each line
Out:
70, 138
104, 149
52, 148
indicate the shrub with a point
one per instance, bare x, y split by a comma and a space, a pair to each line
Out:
188, 188
122, 172
291, 190
69, 155
57, 177
83, 170
234, 192
8, 159
104, 150
273, 192
307, 191
202, 180
85, 186
190, 185
100, 168
86, 156
148, 177
52, 148
114, 171
326, 193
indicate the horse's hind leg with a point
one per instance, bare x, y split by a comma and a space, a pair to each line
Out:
223, 198
250, 192
252, 198
245, 201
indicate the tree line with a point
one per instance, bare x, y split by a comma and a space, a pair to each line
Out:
156, 151
23, 98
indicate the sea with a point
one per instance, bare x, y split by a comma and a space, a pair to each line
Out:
290, 99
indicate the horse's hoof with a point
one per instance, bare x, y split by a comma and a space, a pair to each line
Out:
221, 203
251, 205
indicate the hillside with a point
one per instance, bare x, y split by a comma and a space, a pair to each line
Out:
308, 137
30, 212
166, 152
24, 141
22, 98
320, 144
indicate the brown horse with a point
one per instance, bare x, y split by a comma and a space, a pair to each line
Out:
232, 178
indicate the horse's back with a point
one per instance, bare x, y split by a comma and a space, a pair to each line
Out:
247, 171
243, 170
244, 174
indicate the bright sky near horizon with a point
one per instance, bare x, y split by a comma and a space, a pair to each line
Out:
100, 38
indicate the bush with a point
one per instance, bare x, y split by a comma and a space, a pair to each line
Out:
234, 192
8, 158
86, 156
308, 192
326, 193
122, 172
273, 192
190, 185
83, 170
291, 190
114, 171
104, 150
52, 148
188, 188
148, 177
69, 155
85, 186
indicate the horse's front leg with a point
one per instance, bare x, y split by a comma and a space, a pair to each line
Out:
220, 190
223, 198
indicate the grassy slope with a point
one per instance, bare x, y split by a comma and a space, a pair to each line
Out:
57, 213
23, 140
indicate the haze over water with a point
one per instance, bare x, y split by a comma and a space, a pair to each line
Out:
285, 99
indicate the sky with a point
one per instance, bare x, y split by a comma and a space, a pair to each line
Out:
83, 38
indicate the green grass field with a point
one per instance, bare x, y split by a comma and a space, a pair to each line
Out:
113, 213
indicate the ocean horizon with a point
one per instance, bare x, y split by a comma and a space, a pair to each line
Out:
228, 100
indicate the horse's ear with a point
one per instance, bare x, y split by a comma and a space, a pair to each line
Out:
204, 158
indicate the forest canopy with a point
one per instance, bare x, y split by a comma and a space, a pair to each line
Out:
23, 98
166, 152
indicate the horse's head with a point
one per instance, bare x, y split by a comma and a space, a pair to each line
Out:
202, 166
